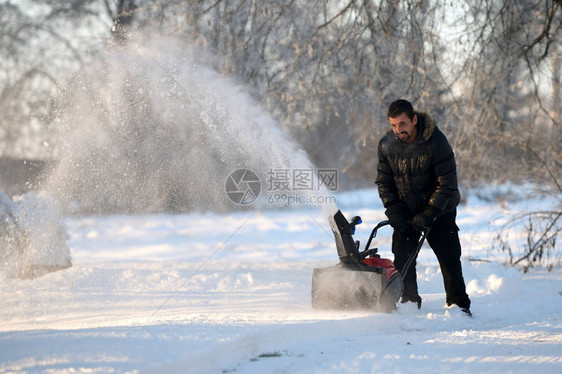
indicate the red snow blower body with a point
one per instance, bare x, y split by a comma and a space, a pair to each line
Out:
361, 280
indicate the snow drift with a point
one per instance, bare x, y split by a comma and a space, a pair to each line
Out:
32, 236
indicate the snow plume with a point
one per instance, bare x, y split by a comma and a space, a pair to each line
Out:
151, 127
32, 236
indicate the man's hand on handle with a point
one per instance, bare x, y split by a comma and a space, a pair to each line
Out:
424, 220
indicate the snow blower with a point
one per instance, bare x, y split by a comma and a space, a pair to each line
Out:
361, 280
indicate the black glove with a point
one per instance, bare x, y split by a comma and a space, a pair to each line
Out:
397, 218
424, 220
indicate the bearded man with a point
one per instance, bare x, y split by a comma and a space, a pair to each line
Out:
417, 183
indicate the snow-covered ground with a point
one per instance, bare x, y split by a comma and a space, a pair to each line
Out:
230, 293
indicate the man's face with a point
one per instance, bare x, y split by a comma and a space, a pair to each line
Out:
404, 128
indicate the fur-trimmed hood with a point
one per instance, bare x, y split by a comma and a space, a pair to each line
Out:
426, 125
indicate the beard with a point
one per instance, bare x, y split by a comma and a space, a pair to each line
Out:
404, 136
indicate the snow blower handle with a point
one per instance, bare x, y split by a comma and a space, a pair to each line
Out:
374, 233
414, 254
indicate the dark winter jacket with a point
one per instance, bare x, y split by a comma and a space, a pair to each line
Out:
412, 177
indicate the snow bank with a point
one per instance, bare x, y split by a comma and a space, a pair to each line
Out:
32, 236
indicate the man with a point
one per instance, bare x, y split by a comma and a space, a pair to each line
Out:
417, 182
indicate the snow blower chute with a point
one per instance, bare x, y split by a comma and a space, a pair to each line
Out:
361, 280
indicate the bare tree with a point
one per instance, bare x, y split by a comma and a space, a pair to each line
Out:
507, 77
39, 46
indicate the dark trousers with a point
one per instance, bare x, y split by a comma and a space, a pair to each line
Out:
444, 240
